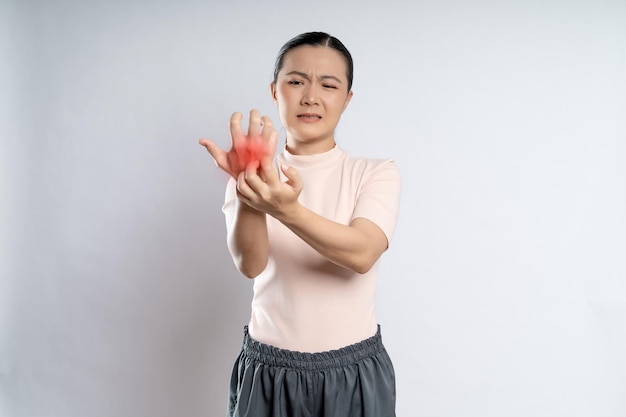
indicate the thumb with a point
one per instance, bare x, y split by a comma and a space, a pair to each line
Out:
293, 177
218, 155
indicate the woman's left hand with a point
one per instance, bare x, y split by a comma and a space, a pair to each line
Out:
261, 188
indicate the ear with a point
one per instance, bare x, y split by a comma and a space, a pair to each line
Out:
273, 92
348, 98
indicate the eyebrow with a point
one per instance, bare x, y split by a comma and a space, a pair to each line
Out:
323, 77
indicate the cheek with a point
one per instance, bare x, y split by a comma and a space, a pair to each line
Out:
337, 108
286, 99
283, 111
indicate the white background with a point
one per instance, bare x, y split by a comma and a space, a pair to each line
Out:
504, 290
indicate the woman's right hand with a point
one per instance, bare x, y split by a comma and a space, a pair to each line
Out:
257, 145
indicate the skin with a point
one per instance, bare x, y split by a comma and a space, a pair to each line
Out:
311, 94
311, 81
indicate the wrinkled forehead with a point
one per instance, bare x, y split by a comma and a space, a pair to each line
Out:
315, 60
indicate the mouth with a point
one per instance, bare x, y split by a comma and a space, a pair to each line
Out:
309, 117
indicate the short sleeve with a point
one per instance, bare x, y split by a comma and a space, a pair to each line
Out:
378, 199
229, 202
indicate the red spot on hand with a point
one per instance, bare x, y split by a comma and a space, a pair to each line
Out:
255, 150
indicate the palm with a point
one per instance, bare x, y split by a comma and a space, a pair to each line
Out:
257, 145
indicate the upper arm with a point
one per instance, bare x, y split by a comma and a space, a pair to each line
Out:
374, 238
379, 198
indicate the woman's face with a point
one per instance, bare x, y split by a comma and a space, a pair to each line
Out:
311, 93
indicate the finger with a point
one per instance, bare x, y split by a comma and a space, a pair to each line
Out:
236, 134
270, 137
238, 139
268, 172
252, 178
242, 186
243, 198
251, 170
293, 177
267, 124
218, 155
254, 124
271, 144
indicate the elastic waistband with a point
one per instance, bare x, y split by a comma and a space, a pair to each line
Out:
274, 356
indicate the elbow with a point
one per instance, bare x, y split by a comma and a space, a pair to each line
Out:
250, 267
250, 271
362, 269
249, 263
363, 265
365, 260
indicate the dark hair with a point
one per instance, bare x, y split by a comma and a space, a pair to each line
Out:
316, 39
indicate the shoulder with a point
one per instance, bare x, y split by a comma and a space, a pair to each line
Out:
368, 167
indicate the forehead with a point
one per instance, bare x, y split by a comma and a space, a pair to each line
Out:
321, 60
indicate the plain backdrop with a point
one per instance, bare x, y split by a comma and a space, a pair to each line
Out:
503, 293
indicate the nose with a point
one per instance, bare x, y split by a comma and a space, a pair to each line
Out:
309, 96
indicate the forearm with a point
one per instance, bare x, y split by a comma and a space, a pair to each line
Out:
247, 240
356, 246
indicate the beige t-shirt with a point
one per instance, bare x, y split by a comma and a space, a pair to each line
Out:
302, 301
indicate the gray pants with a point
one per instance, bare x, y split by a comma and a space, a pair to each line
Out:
355, 381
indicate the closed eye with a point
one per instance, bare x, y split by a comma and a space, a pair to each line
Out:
329, 86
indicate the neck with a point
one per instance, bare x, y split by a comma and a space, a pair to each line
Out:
309, 148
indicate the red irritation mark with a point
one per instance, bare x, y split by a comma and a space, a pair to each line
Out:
255, 150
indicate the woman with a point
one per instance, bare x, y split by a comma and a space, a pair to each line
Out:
310, 228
